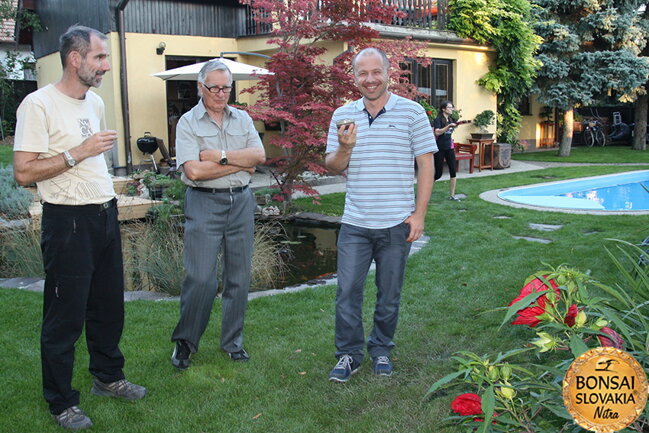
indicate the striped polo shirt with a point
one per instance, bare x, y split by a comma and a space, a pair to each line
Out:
381, 171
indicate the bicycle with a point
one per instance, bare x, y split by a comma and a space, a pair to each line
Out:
593, 133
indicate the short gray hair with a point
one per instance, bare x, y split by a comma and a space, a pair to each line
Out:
371, 51
77, 38
213, 65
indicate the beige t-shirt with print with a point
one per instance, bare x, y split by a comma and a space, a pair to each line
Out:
50, 122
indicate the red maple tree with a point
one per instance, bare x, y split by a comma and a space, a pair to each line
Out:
305, 90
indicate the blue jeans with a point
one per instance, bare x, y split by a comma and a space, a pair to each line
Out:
357, 247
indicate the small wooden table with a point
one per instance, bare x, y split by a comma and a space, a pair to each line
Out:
483, 143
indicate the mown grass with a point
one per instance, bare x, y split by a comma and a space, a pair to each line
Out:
597, 155
6, 154
471, 266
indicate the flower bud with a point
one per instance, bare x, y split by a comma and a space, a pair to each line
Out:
601, 323
545, 342
580, 321
506, 392
493, 374
506, 372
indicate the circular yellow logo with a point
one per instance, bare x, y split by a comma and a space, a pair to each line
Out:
605, 390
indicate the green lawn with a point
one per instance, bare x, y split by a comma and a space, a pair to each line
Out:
602, 155
6, 155
471, 266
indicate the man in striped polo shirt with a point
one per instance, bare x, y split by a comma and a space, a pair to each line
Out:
377, 143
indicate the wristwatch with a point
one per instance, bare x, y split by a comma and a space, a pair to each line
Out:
69, 160
224, 158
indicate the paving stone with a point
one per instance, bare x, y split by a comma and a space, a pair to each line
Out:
545, 227
30, 284
143, 295
528, 238
502, 217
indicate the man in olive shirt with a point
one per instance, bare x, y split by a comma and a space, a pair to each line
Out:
217, 148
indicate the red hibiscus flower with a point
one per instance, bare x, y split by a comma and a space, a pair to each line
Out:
615, 340
571, 316
529, 315
469, 404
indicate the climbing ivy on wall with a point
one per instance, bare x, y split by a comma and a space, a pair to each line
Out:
505, 25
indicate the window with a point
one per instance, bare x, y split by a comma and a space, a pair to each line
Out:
524, 106
435, 80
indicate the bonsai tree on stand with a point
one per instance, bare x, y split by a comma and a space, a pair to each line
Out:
483, 120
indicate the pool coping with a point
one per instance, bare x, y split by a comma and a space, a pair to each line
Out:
492, 197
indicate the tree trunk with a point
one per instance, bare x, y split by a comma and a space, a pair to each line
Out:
640, 130
566, 139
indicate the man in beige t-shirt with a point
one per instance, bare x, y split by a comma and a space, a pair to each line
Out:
59, 144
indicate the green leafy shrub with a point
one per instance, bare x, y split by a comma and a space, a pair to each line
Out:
14, 200
431, 111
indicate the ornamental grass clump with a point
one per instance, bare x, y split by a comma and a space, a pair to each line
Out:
570, 312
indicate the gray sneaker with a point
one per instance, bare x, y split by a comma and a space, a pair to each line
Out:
382, 366
344, 369
73, 418
121, 389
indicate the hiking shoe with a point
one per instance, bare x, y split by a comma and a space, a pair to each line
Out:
73, 418
454, 198
382, 366
344, 369
181, 355
240, 356
121, 389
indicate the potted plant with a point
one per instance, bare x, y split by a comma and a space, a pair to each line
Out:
431, 111
483, 120
156, 184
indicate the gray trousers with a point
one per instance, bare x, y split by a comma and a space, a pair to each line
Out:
214, 221
357, 247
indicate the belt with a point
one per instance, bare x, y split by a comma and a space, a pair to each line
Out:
85, 207
216, 190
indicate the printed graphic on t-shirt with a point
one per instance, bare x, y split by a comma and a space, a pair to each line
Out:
85, 127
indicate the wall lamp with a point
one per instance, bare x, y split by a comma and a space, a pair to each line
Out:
161, 48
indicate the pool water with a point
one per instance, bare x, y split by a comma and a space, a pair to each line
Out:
617, 192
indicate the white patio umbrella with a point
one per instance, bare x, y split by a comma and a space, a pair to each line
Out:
240, 71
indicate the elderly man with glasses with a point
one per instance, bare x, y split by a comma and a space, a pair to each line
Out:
217, 149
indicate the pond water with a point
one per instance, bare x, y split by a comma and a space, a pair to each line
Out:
309, 253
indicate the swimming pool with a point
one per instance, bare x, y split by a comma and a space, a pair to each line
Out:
609, 193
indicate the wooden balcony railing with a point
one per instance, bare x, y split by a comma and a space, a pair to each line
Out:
422, 14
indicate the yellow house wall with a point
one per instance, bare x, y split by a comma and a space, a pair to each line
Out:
469, 64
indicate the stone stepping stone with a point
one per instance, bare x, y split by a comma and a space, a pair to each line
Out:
502, 217
545, 227
531, 239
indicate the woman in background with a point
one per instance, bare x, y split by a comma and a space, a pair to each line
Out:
443, 128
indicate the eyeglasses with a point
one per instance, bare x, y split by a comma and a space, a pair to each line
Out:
218, 89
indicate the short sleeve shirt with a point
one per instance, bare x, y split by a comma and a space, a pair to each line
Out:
444, 140
380, 175
49, 123
197, 131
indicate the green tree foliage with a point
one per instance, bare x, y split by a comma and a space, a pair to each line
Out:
13, 62
506, 26
590, 54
